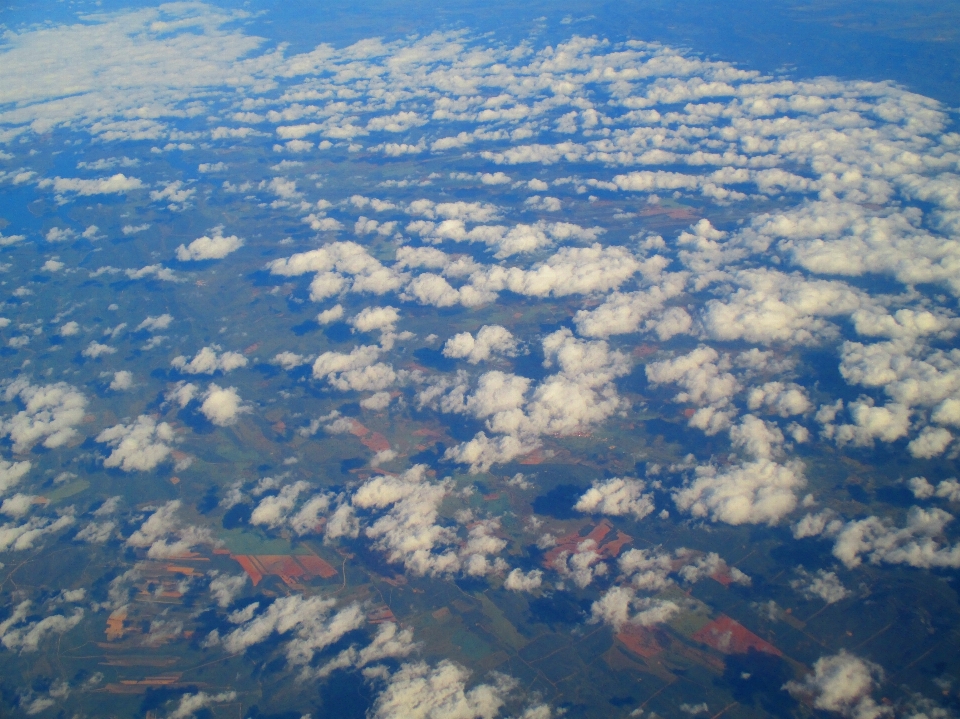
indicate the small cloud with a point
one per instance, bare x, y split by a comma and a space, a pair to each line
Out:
209, 248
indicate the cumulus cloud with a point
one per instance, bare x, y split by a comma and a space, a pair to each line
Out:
357, 370
307, 624
225, 588
418, 690
11, 473
163, 536
190, 704
49, 415
757, 492
620, 605
209, 248
272, 511
222, 405
18, 634
20, 537
388, 643
122, 380
490, 340
822, 584
616, 497
115, 184
842, 683
140, 446
917, 544
208, 361
375, 318
518, 581
95, 350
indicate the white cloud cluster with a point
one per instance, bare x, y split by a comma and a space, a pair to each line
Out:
388, 643
582, 393
20, 537
617, 497
209, 248
842, 683
821, 584
338, 267
49, 415
948, 489
18, 634
208, 361
307, 623
490, 340
223, 405
756, 492
357, 370
644, 573
139, 446
705, 377
419, 691
918, 543
163, 537
11, 473
408, 531
190, 704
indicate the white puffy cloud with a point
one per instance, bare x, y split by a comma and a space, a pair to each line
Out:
164, 538
757, 492
931, 442
774, 307
290, 360
419, 691
69, 329
122, 380
190, 704
375, 318
115, 184
11, 473
209, 248
948, 489
331, 315
357, 370
273, 511
822, 584
784, 399
140, 446
208, 361
888, 424
49, 415
222, 405
620, 605
20, 537
339, 266
842, 683
490, 340
388, 643
155, 324
408, 531
518, 581
225, 588
579, 395
306, 622
182, 393
917, 544
376, 402
482, 452
95, 350
616, 497
20, 636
